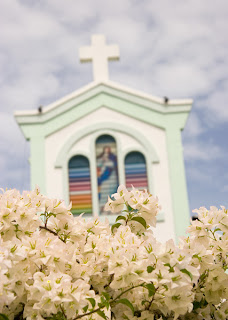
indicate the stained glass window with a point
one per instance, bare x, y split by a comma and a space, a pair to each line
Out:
80, 185
107, 171
135, 171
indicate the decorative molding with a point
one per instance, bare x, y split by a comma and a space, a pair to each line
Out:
114, 91
78, 153
61, 158
177, 179
101, 129
102, 86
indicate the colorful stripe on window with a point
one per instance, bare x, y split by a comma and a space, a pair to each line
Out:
80, 185
135, 171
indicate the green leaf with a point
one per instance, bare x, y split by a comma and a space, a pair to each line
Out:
150, 269
116, 225
86, 308
50, 214
58, 316
3, 317
127, 303
166, 287
92, 301
129, 208
171, 269
151, 288
187, 272
120, 218
101, 314
103, 303
107, 305
140, 220
198, 257
199, 304
196, 305
106, 295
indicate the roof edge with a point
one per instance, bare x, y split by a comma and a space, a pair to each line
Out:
111, 84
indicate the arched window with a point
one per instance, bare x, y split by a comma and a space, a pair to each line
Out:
80, 185
107, 171
135, 171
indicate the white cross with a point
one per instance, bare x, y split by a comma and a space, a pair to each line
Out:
99, 53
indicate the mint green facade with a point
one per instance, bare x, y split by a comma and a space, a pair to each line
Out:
169, 117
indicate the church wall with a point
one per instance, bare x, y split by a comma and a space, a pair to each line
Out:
57, 184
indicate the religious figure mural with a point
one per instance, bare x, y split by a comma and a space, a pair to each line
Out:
107, 173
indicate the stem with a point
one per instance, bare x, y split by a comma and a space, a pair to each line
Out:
129, 289
111, 303
111, 278
46, 219
150, 302
63, 311
51, 231
88, 313
213, 235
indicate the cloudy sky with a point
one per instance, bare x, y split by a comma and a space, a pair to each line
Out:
171, 48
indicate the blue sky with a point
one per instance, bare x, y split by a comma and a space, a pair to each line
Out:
168, 48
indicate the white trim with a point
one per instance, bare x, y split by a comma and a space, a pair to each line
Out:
112, 85
105, 126
58, 102
147, 96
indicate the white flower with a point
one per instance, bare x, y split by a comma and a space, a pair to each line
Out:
54, 264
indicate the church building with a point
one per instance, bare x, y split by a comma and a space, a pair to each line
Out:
105, 134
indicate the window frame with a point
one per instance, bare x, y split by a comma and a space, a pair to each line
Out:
68, 162
120, 168
149, 165
121, 155
112, 129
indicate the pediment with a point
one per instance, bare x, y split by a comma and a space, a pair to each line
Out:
89, 98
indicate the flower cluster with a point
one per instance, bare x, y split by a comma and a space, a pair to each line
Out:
56, 266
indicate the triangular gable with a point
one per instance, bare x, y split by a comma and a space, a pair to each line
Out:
133, 103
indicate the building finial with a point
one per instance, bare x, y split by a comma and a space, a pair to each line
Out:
99, 53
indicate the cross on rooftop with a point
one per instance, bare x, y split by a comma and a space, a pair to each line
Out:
99, 53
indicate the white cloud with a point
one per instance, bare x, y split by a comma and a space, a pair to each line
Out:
202, 151
197, 175
216, 104
194, 126
225, 188
182, 79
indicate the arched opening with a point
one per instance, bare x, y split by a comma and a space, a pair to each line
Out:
135, 171
107, 169
80, 185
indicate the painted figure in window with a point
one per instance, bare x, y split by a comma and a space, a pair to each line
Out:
107, 176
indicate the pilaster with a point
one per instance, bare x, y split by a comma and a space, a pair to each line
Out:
177, 180
37, 162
